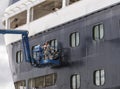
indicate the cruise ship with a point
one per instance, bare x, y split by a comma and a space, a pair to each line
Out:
83, 38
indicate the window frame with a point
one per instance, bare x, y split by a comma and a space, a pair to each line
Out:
34, 52
55, 42
19, 83
100, 74
71, 83
100, 32
43, 82
16, 21
44, 12
75, 40
19, 55
53, 79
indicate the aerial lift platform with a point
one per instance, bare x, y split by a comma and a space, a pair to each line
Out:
26, 49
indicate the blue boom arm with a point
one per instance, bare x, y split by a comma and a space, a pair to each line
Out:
25, 41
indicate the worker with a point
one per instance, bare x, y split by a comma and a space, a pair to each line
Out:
15, 23
46, 48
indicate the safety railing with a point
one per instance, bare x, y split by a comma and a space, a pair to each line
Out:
45, 57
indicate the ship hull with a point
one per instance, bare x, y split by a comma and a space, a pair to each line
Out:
84, 59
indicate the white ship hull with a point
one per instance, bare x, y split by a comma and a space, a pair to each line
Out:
66, 14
